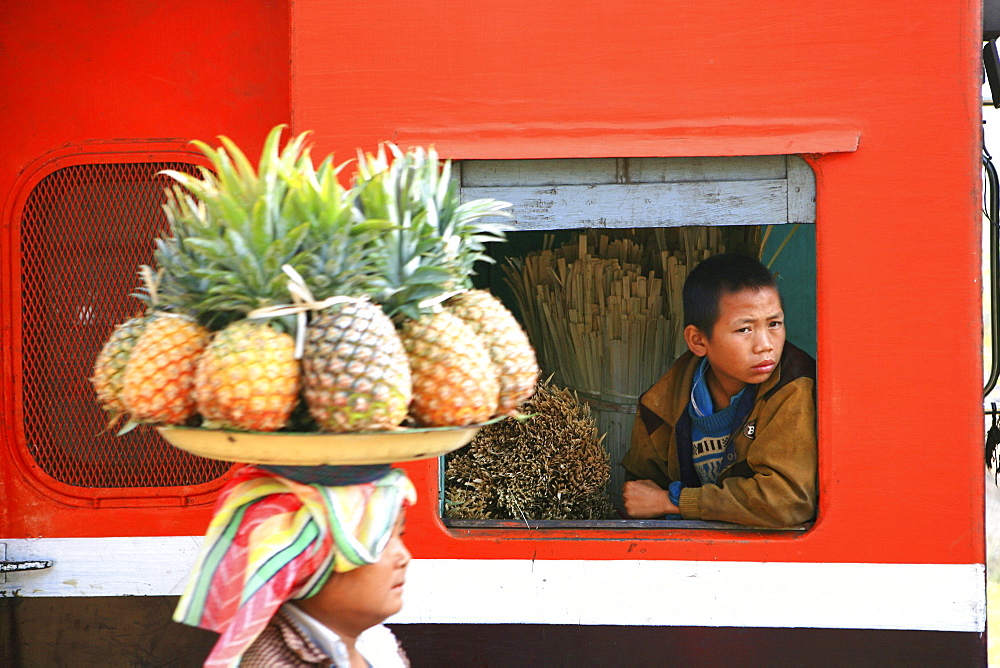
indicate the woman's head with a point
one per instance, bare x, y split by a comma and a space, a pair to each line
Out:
272, 540
352, 601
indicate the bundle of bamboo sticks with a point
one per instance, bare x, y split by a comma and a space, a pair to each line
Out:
605, 311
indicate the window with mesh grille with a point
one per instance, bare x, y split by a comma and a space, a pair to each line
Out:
85, 229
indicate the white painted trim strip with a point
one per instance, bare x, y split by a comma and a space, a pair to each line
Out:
940, 597
945, 597
144, 566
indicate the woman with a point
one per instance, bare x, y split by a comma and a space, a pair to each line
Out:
303, 573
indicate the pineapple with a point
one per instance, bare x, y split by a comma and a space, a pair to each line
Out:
109, 368
247, 378
465, 233
454, 380
356, 376
252, 231
232, 231
356, 372
159, 373
509, 348
159, 376
428, 251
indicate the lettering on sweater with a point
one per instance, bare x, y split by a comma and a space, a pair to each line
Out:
707, 457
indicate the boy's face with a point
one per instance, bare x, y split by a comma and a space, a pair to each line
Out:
746, 342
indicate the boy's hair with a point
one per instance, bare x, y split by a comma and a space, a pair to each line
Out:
715, 277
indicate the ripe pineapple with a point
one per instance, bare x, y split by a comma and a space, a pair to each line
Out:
356, 376
231, 235
147, 366
428, 251
159, 376
509, 348
454, 380
356, 373
247, 378
109, 368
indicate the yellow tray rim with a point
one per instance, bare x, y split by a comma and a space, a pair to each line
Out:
320, 448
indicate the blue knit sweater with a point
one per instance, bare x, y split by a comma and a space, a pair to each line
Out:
710, 429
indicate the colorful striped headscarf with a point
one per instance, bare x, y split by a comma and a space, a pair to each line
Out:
272, 539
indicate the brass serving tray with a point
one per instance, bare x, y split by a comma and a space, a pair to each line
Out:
316, 449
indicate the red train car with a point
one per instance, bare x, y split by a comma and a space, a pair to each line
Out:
859, 121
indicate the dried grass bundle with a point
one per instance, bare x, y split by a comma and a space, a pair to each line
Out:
550, 466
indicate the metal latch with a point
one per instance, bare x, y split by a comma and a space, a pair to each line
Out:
11, 566
8, 566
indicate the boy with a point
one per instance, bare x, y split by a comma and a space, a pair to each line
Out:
729, 432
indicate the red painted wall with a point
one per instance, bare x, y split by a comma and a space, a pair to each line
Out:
897, 220
80, 73
882, 98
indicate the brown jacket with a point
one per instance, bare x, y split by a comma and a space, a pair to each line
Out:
773, 479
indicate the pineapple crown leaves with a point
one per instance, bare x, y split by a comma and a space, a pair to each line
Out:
235, 227
460, 224
417, 181
249, 198
434, 239
340, 243
148, 291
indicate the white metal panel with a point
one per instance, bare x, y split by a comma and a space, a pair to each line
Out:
940, 597
145, 566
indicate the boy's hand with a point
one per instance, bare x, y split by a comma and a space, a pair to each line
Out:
645, 500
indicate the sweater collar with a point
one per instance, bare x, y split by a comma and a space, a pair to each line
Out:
701, 396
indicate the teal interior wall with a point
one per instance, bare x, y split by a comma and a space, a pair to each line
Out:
795, 267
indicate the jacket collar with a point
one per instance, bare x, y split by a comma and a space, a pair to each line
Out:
297, 637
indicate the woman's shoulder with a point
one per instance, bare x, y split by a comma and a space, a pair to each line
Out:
283, 645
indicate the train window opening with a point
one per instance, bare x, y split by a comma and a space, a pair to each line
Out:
593, 271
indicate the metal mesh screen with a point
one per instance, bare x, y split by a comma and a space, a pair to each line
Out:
85, 230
